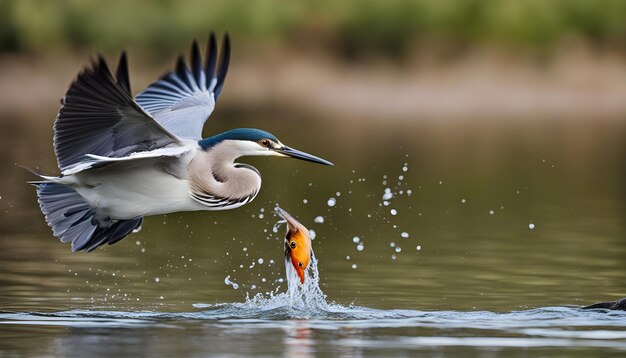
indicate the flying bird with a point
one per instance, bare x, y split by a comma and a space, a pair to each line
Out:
122, 158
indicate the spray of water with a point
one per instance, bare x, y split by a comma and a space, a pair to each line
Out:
307, 296
305, 300
302, 300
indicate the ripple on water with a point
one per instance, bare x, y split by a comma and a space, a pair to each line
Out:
556, 324
541, 327
549, 326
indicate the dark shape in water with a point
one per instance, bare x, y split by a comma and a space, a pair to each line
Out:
619, 305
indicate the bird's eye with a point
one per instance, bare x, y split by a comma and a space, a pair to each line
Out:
293, 244
300, 264
265, 142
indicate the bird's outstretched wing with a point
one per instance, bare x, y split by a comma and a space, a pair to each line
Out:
182, 100
99, 117
97, 161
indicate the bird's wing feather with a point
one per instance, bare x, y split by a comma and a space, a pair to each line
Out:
217, 203
182, 100
98, 161
98, 116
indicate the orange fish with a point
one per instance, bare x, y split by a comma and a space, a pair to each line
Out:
297, 244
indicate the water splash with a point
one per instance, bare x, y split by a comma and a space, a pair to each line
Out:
307, 296
300, 301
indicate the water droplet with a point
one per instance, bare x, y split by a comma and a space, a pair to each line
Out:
463, 201
393, 212
356, 239
360, 247
418, 247
392, 244
393, 256
260, 261
398, 249
405, 235
312, 234
319, 220
261, 216
354, 266
305, 201
228, 282
157, 280
388, 195
331, 202
491, 212
531, 226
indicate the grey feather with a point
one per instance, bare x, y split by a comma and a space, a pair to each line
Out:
122, 73
183, 99
99, 117
211, 57
73, 220
223, 69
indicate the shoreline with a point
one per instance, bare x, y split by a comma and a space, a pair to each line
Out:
576, 85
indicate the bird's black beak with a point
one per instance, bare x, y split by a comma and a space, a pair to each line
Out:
294, 153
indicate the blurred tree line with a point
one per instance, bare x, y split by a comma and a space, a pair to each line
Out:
346, 28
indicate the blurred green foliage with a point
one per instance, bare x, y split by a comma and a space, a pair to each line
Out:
347, 27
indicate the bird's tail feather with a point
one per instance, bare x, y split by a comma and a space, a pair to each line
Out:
73, 220
44, 178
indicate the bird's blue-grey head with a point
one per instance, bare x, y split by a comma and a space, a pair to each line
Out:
252, 141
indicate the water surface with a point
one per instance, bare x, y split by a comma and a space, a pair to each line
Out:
447, 238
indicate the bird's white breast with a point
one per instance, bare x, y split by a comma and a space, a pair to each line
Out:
126, 191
